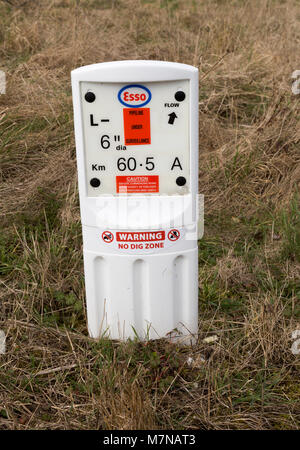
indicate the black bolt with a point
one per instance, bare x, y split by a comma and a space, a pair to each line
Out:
90, 97
179, 96
95, 182
180, 181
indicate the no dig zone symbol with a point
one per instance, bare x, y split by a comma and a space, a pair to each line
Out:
107, 237
173, 235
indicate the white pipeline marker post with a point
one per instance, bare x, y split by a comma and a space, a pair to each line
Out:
136, 129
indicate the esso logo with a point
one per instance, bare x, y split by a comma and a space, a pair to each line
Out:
134, 95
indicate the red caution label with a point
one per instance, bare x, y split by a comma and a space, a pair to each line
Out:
137, 184
146, 236
137, 126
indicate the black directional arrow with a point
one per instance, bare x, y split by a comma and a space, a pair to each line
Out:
172, 117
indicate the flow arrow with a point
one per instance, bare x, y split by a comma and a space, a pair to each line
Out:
172, 117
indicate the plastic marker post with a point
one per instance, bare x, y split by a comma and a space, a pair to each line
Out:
136, 129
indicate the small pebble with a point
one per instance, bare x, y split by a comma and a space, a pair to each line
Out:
210, 339
2, 342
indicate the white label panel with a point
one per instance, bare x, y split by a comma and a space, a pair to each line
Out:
136, 137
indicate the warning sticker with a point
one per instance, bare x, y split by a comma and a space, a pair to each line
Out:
146, 241
140, 236
137, 184
137, 126
140, 240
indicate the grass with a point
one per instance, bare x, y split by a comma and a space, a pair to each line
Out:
53, 376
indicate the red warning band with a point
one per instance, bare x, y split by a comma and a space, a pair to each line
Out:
140, 236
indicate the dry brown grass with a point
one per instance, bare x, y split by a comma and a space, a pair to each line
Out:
53, 376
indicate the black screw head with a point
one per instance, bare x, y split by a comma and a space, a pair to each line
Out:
180, 181
95, 182
179, 96
90, 97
